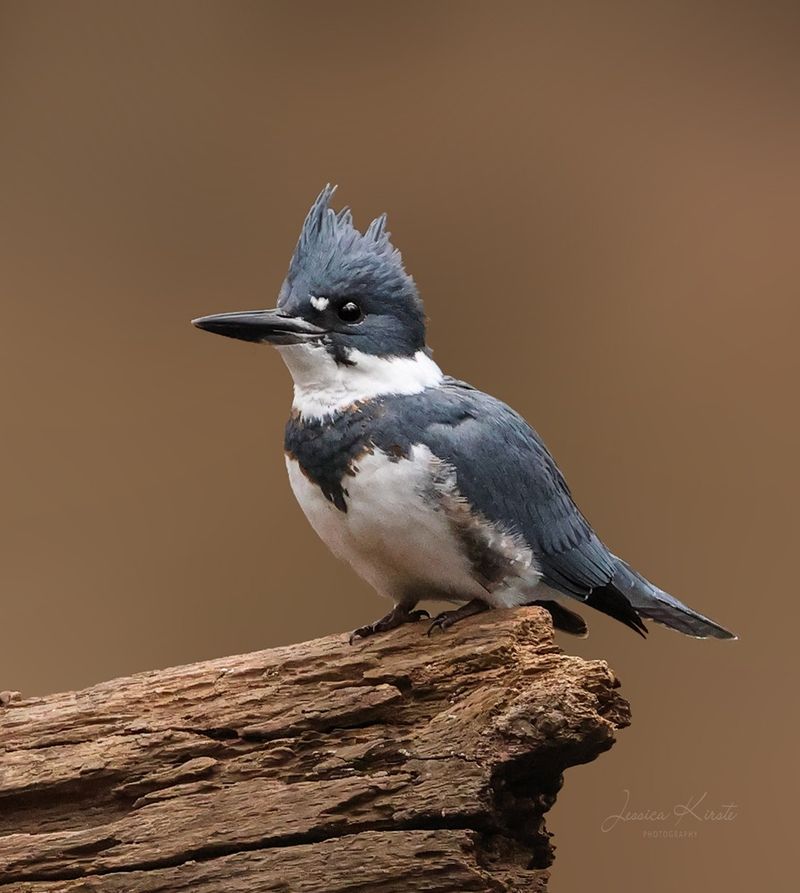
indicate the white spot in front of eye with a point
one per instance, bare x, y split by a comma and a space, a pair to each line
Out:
319, 303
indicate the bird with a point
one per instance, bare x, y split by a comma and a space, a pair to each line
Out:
427, 486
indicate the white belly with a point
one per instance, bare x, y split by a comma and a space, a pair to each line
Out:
392, 533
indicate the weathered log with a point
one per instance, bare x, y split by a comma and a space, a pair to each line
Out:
401, 763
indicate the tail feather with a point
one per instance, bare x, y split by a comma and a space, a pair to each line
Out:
564, 619
651, 602
610, 600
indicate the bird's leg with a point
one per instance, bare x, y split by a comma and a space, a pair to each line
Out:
399, 615
447, 618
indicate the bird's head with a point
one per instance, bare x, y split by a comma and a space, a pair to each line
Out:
346, 309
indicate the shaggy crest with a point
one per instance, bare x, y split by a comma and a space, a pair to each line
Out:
334, 263
331, 248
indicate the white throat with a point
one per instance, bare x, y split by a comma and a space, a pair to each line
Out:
322, 386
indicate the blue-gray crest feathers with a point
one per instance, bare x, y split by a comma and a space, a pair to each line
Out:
330, 243
334, 260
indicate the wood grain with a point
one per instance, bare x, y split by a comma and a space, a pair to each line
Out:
401, 763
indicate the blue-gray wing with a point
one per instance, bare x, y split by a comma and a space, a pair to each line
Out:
505, 472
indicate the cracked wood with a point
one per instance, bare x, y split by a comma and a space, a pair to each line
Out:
401, 763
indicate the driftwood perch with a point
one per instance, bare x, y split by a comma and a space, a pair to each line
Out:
400, 764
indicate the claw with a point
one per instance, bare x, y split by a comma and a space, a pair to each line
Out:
441, 621
361, 633
447, 619
396, 617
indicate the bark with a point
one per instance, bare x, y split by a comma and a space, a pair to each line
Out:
401, 763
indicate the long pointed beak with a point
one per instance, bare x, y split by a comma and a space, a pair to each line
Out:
260, 325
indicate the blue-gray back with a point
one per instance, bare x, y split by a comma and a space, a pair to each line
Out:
503, 469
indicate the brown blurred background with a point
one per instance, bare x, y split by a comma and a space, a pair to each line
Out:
600, 204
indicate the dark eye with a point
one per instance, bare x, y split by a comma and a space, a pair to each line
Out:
350, 312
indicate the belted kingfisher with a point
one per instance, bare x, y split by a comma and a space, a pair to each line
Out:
427, 486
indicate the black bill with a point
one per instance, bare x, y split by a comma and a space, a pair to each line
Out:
260, 325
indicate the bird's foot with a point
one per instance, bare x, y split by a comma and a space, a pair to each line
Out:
448, 618
396, 617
